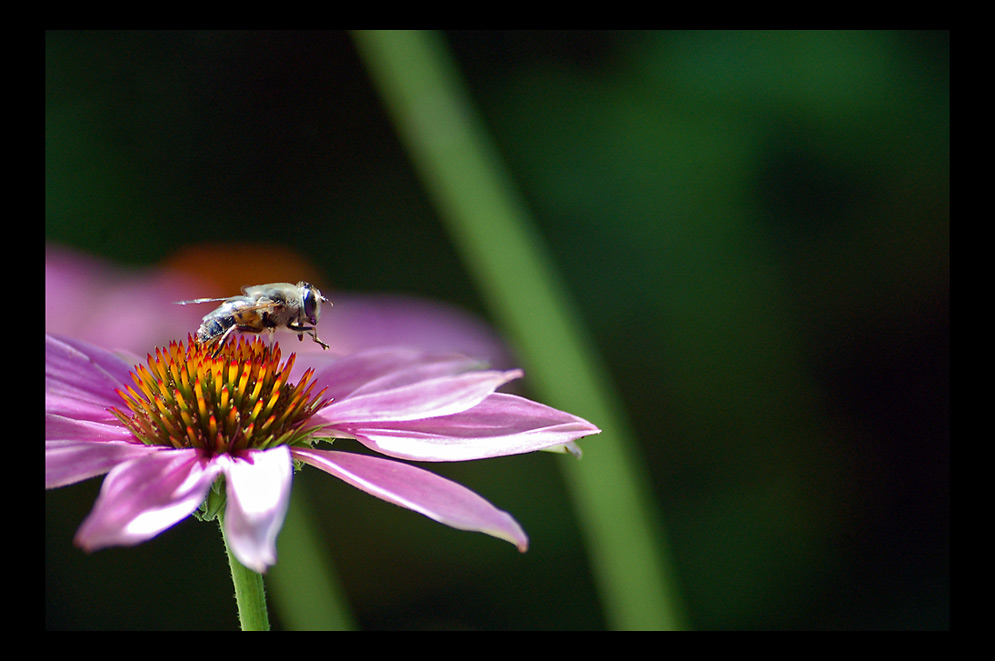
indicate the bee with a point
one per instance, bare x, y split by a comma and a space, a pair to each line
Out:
262, 308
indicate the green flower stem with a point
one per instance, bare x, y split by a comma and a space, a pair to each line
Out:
451, 151
250, 595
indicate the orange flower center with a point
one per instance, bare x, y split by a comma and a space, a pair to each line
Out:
239, 399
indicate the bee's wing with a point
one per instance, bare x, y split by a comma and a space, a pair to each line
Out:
201, 300
267, 304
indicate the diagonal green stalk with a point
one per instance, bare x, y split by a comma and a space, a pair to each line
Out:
306, 591
451, 151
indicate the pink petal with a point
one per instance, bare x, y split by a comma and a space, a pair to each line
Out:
258, 489
384, 368
61, 428
80, 379
501, 425
418, 490
427, 398
142, 497
68, 462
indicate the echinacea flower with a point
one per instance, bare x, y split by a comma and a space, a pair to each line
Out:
165, 433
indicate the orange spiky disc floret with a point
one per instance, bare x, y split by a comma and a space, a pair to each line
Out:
239, 399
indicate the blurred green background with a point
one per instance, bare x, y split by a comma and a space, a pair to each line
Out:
753, 225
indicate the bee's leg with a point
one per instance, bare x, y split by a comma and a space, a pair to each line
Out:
310, 330
314, 336
221, 339
270, 332
253, 329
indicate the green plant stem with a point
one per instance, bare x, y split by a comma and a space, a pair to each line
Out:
250, 594
460, 169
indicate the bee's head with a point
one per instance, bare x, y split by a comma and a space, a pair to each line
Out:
311, 300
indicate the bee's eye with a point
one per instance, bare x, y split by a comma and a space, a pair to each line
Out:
310, 305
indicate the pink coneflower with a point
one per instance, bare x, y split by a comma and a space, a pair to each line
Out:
166, 433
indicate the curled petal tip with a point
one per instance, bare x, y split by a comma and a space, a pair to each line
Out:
570, 448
